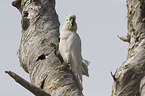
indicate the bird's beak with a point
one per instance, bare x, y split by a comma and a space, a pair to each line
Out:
72, 21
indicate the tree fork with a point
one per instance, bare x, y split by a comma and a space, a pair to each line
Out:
130, 76
40, 30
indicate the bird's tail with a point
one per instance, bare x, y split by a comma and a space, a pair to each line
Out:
85, 64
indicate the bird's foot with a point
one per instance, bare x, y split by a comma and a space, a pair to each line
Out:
66, 64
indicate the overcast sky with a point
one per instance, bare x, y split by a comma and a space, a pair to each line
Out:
99, 23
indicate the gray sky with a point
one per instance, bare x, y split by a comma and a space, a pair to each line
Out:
99, 23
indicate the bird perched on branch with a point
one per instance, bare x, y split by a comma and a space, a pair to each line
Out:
70, 49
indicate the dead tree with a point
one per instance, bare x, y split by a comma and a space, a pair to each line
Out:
37, 51
129, 79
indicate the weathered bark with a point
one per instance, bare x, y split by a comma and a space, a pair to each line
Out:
40, 36
129, 79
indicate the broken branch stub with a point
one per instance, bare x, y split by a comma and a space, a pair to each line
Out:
35, 90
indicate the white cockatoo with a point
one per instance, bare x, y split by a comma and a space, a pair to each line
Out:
70, 49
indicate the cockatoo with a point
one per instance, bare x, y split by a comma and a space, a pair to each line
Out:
70, 49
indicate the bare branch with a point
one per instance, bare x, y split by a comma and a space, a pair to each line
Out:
35, 90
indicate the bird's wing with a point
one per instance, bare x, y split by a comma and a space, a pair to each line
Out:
74, 46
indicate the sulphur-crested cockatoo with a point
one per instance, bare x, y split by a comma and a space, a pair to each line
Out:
70, 49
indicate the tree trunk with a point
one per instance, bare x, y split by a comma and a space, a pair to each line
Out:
129, 79
39, 41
